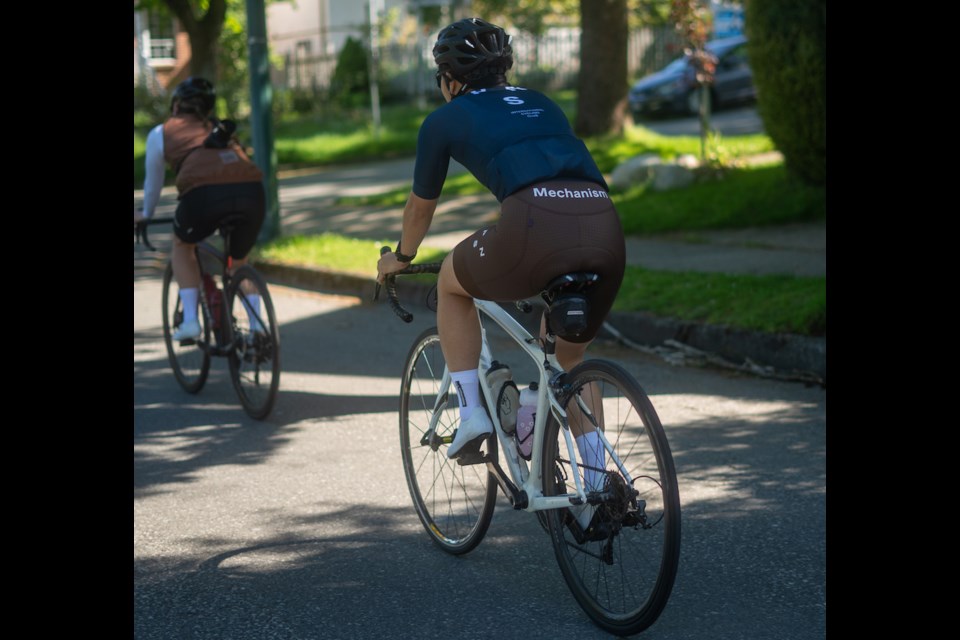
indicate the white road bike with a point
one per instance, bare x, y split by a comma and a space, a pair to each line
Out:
621, 567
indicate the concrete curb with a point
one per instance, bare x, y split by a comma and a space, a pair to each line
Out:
784, 356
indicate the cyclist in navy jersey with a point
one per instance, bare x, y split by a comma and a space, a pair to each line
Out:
556, 216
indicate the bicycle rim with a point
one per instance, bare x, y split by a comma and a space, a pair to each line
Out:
189, 359
454, 502
622, 580
254, 339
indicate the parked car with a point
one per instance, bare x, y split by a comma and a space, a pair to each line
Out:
673, 90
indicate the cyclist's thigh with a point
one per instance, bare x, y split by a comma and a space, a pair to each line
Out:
190, 223
249, 199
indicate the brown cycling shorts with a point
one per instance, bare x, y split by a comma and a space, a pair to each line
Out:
544, 231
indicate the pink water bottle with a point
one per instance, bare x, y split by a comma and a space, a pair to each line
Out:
526, 418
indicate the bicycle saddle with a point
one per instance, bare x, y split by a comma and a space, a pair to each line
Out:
227, 224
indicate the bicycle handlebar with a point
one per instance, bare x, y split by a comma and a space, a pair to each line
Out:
140, 230
390, 282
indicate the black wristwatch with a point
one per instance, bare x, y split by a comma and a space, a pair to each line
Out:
402, 258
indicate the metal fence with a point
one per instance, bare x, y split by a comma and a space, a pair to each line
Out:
550, 62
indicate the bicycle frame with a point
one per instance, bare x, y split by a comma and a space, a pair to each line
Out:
204, 248
221, 256
529, 478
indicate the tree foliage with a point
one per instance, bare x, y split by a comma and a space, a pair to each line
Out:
649, 13
787, 46
535, 16
218, 44
530, 16
203, 21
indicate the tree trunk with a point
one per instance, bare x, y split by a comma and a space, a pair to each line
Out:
602, 82
203, 58
204, 35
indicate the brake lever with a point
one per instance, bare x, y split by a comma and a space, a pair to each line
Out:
376, 291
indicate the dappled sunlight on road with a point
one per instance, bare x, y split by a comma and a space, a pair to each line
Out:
692, 406
736, 457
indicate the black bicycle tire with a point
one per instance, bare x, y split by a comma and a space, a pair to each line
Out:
190, 384
260, 407
629, 619
441, 527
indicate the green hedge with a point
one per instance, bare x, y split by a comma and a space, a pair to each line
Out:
787, 46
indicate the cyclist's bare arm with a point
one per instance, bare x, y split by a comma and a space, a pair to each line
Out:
417, 216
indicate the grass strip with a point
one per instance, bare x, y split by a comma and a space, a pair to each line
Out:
769, 303
761, 303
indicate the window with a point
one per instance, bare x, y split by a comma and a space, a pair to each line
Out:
161, 35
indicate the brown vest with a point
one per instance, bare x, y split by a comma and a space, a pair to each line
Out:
198, 166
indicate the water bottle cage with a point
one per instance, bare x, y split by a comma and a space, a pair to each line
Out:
523, 441
508, 402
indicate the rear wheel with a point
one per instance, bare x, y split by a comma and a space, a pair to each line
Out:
622, 571
189, 359
454, 502
253, 339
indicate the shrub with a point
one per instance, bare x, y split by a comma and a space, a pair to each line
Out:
787, 45
351, 79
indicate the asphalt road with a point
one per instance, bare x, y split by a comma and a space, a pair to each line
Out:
300, 527
735, 121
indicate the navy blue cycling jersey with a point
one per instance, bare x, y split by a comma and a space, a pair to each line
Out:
508, 137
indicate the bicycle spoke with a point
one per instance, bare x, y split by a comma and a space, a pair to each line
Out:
623, 580
254, 342
454, 502
189, 359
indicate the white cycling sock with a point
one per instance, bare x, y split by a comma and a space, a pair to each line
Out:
189, 297
592, 454
252, 306
467, 386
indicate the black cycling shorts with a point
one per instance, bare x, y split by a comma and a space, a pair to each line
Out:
202, 208
544, 231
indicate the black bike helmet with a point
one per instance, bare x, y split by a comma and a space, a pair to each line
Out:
472, 48
196, 91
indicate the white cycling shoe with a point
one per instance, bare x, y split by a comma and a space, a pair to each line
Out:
478, 424
187, 331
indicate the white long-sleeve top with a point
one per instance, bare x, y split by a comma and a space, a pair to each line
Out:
155, 168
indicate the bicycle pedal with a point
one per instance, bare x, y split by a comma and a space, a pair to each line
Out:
470, 453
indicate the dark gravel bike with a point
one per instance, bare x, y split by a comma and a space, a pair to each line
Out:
231, 327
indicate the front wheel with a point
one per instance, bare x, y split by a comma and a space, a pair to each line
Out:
253, 340
454, 502
621, 566
189, 359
